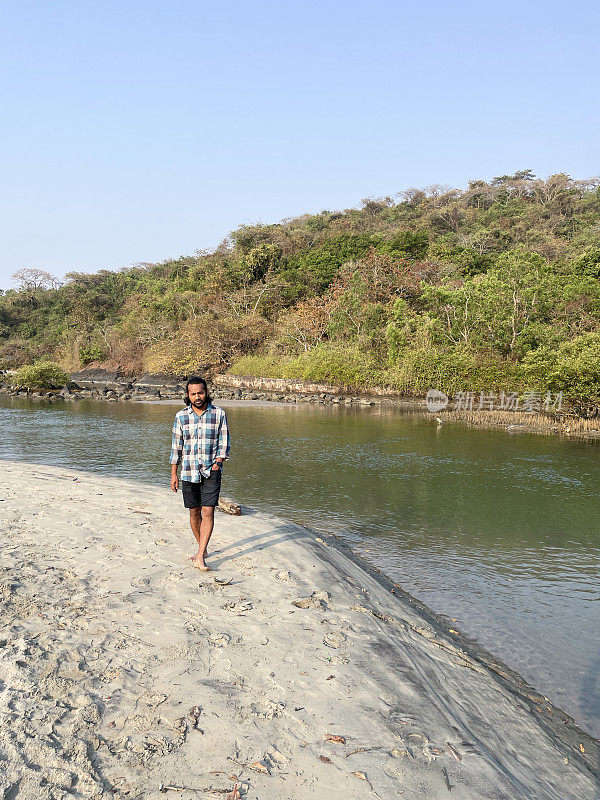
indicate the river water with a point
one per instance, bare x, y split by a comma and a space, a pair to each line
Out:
499, 533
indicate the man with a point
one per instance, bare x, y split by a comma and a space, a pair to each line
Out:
200, 444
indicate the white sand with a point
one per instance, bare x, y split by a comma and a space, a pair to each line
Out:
111, 640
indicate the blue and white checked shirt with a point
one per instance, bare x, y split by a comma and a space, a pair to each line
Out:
198, 441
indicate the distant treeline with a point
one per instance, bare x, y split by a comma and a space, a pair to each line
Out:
495, 287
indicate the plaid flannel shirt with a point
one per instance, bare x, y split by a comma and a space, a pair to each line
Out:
198, 441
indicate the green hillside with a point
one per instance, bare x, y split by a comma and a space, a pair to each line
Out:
494, 287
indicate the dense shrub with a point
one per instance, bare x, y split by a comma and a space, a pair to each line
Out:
589, 264
43, 375
316, 267
407, 244
89, 353
453, 371
573, 368
323, 364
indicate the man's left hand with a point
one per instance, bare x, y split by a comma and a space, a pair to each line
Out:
216, 466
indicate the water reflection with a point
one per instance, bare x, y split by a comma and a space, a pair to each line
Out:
497, 532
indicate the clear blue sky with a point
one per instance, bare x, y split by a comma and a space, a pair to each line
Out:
137, 130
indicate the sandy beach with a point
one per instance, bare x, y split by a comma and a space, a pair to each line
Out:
288, 670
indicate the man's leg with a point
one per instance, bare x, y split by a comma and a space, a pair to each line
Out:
195, 524
206, 527
202, 520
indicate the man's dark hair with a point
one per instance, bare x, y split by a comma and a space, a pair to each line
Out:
195, 379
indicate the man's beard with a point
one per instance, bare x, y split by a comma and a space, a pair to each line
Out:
199, 403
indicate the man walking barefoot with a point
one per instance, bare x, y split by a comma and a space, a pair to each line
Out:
200, 444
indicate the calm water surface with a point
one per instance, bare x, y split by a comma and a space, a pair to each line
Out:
498, 532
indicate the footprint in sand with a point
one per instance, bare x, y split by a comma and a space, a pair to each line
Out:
219, 639
318, 600
139, 583
239, 607
140, 722
334, 639
153, 699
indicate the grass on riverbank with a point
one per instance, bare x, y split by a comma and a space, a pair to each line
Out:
413, 376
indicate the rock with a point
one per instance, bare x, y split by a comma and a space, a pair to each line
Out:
229, 506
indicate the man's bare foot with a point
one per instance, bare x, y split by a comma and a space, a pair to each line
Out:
201, 566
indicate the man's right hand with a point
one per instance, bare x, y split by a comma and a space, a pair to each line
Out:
174, 483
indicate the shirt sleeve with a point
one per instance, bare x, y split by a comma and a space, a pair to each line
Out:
177, 442
223, 442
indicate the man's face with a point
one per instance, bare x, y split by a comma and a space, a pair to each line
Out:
197, 395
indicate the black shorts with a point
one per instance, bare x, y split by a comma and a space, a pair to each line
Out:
205, 493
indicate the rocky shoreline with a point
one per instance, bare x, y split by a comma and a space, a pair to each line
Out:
112, 387
135, 393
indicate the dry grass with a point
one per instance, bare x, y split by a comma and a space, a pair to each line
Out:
563, 422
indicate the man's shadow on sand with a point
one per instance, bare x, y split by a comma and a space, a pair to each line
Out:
277, 535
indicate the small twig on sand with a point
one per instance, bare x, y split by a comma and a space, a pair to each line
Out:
135, 638
360, 750
362, 776
454, 752
261, 768
446, 778
163, 789
239, 763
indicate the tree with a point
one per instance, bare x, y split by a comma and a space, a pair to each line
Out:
520, 175
30, 279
